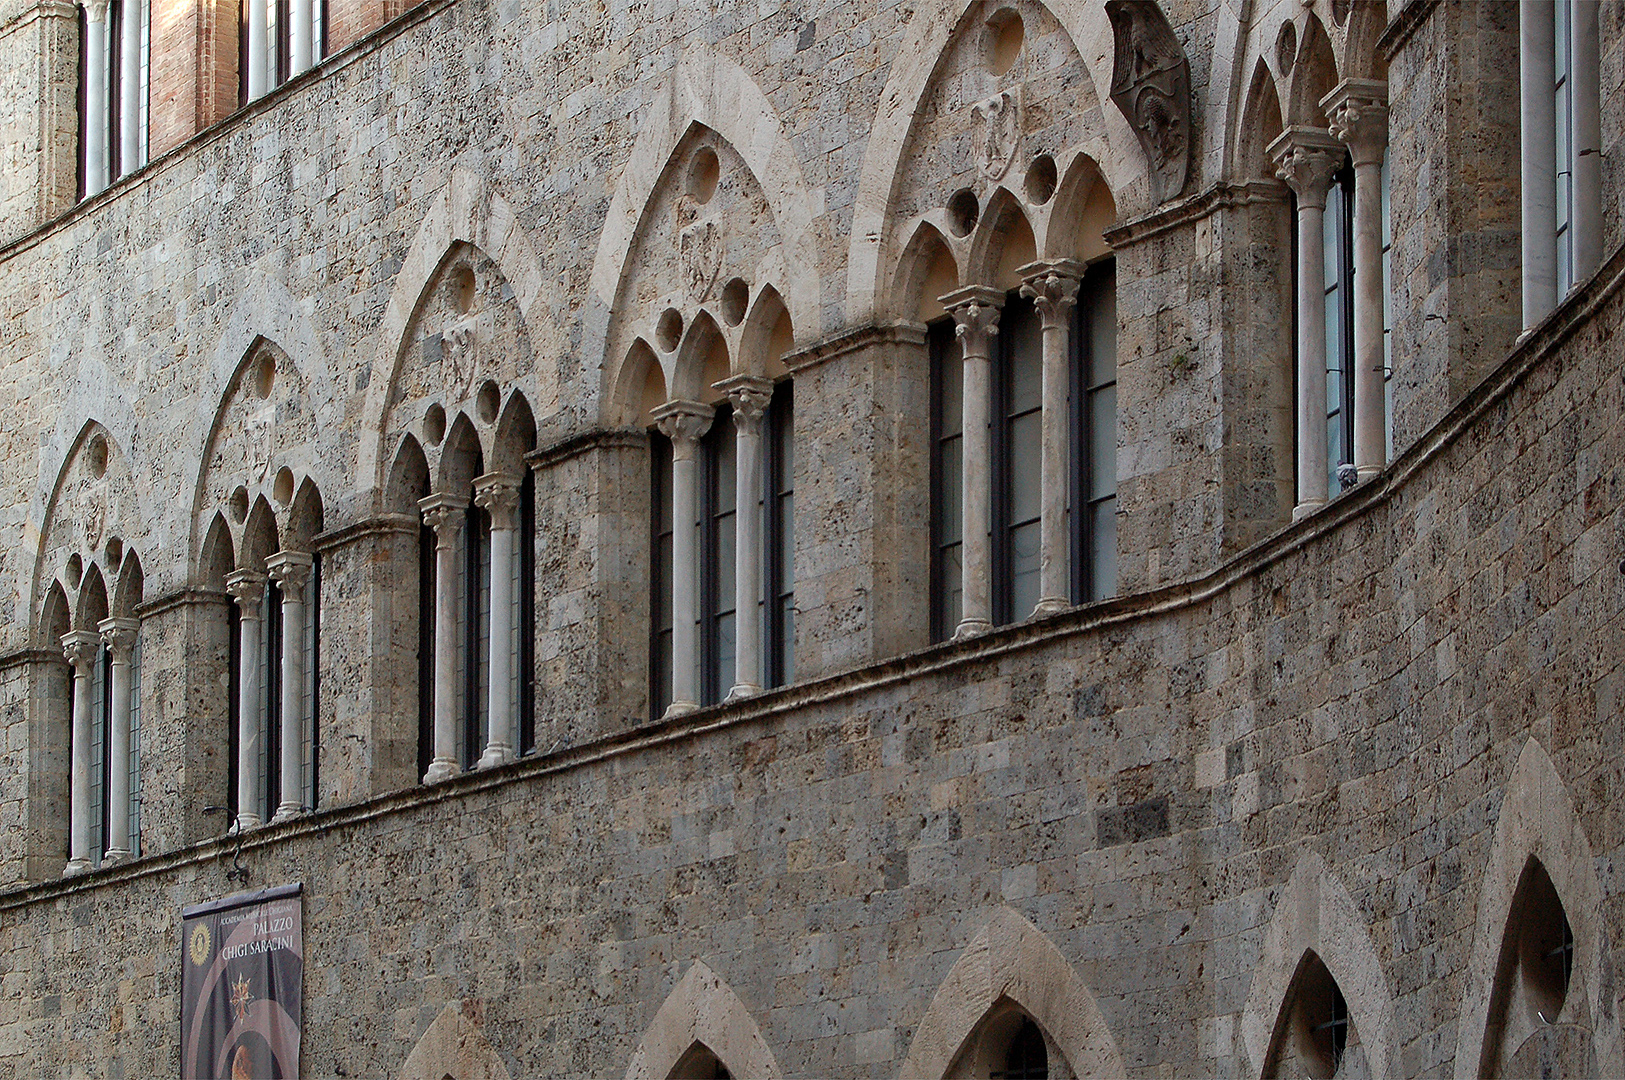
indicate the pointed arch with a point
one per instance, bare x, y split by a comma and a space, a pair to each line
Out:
455, 1046
1537, 818
1315, 913
1366, 23
304, 518
408, 478
1313, 76
55, 502
56, 617
929, 33
640, 385
704, 88
468, 210
702, 359
925, 271
515, 436
92, 600
259, 537
702, 1008
1011, 961
461, 459
1083, 210
767, 333
216, 559
1260, 125
131, 583
1003, 241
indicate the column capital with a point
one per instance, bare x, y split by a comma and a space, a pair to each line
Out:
1305, 157
442, 513
245, 587
80, 646
498, 493
118, 634
1053, 288
975, 309
750, 395
683, 422
1358, 110
96, 11
291, 569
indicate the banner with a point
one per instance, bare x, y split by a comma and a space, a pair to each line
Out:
242, 974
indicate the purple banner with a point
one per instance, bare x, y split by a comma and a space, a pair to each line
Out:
242, 970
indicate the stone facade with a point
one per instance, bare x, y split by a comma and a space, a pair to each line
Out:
483, 241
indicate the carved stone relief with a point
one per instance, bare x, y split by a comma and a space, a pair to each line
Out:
998, 132
457, 355
699, 250
93, 511
1151, 85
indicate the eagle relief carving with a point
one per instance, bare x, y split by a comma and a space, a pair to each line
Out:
93, 511
257, 447
999, 136
1151, 86
699, 250
457, 350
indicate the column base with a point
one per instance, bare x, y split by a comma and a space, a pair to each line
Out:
1049, 606
116, 855
76, 867
248, 821
969, 628
1304, 509
679, 708
441, 768
495, 754
286, 811
1367, 472
742, 690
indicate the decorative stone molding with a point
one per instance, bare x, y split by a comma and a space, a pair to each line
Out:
96, 11
246, 587
80, 647
750, 395
703, 1008
1358, 109
1306, 157
290, 570
442, 513
118, 634
1151, 85
699, 250
975, 309
1053, 288
498, 493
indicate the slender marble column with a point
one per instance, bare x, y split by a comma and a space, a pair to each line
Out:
1538, 146
80, 647
291, 569
248, 588
975, 309
1053, 287
259, 80
300, 42
1359, 113
130, 87
499, 494
444, 514
1585, 138
119, 637
1306, 158
96, 103
751, 395
684, 422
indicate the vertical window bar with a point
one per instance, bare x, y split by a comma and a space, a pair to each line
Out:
718, 537
1017, 447
779, 597
100, 691
526, 623
134, 763
115, 91
660, 614
947, 532
1562, 92
1387, 317
426, 617
309, 736
1338, 234
234, 660
481, 523
463, 663
1098, 297
271, 701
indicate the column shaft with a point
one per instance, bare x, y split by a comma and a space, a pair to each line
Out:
292, 572
301, 41
976, 316
499, 494
258, 77
80, 647
444, 515
1370, 424
248, 589
751, 395
1538, 125
683, 422
95, 148
1054, 289
130, 87
1585, 138
119, 636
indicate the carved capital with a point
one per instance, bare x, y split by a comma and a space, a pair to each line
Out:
444, 514
118, 634
1358, 109
683, 422
1053, 289
246, 587
1151, 86
80, 647
96, 11
750, 395
498, 493
1305, 158
291, 569
975, 309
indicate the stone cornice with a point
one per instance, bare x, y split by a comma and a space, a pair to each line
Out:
30, 656
180, 598
1220, 196
45, 9
333, 539
851, 340
582, 442
1406, 23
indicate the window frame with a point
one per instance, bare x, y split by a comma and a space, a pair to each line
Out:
779, 537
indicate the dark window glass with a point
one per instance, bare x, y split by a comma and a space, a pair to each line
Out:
426, 591
1026, 1058
781, 580
1017, 446
660, 521
947, 442
474, 595
526, 667
718, 535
